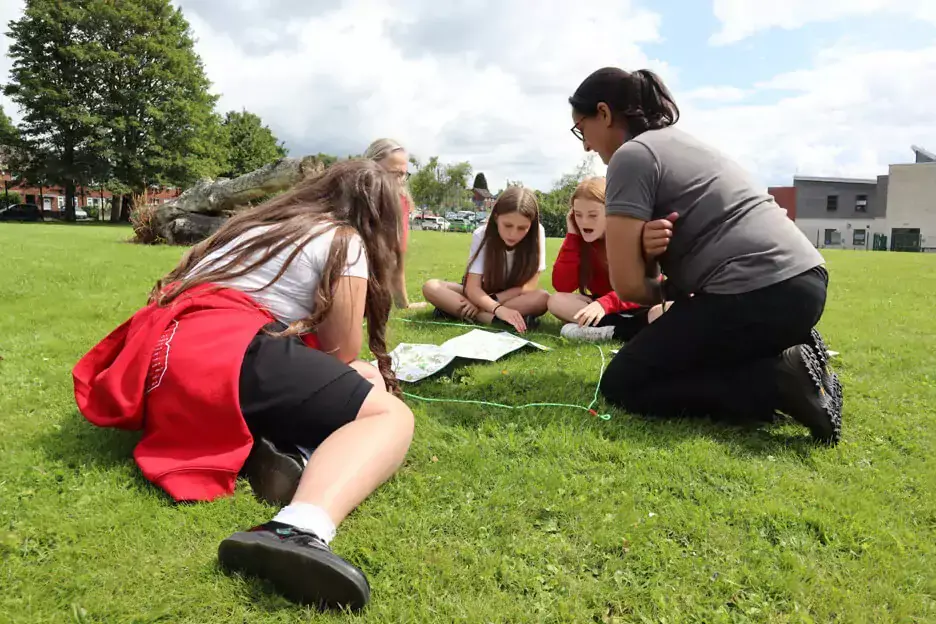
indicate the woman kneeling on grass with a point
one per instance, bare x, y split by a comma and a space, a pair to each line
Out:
595, 313
504, 264
248, 346
743, 345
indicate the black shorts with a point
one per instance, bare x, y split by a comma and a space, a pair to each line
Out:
292, 394
626, 324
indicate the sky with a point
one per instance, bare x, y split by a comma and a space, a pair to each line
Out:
799, 87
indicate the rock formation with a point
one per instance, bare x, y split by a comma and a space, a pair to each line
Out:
199, 211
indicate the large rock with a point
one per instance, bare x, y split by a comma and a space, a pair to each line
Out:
199, 211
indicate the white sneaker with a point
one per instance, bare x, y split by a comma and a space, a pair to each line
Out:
572, 331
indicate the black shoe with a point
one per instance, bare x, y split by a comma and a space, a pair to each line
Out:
273, 474
441, 315
819, 345
532, 322
809, 394
299, 565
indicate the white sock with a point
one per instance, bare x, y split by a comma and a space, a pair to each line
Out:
309, 518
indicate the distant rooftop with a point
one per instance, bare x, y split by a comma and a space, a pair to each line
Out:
923, 155
798, 178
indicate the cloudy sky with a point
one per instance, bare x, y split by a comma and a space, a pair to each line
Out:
809, 87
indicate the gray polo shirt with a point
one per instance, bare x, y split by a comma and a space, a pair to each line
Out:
730, 238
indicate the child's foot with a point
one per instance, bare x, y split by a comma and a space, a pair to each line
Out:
532, 322
573, 331
273, 474
441, 315
299, 565
809, 394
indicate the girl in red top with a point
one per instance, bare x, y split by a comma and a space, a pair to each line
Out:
220, 374
594, 312
393, 157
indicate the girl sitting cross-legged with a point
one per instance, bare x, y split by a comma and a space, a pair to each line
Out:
595, 312
500, 286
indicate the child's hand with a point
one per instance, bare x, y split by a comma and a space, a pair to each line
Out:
511, 316
656, 236
469, 310
589, 315
571, 228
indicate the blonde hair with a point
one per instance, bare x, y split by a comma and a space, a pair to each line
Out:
380, 150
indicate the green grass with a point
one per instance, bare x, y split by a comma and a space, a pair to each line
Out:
539, 515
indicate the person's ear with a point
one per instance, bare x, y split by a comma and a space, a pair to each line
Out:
604, 114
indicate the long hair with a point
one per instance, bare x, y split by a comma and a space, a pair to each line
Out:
526, 259
379, 151
592, 189
640, 98
354, 196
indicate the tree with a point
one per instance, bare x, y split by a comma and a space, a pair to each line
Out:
480, 182
554, 205
441, 186
152, 90
51, 82
250, 144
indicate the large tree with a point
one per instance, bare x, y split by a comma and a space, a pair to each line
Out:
250, 144
437, 185
153, 92
51, 82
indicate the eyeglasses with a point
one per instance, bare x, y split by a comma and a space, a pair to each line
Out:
577, 132
403, 175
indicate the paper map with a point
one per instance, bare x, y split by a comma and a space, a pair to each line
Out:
414, 362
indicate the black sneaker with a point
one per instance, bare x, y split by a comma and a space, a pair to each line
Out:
809, 394
441, 315
298, 564
532, 322
819, 346
272, 473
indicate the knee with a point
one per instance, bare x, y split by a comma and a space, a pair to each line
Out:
622, 382
541, 301
431, 287
555, 302
399, 416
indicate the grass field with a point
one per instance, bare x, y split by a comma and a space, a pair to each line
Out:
539, 515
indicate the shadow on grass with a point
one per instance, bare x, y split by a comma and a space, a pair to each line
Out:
663, 433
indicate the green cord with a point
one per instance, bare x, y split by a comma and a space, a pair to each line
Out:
590, 409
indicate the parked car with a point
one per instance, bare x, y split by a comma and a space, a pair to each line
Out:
434, 223
21, 212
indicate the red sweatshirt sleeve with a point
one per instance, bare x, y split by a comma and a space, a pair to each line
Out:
612, 304
565, 270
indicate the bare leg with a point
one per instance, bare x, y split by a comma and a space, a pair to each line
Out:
534, 302
657, 311
446, 296
564, 306
370, 373
353, 461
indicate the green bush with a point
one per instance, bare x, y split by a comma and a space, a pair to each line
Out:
9, 198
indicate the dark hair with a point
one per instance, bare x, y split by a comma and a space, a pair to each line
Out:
527, 260
640, 97
350, 197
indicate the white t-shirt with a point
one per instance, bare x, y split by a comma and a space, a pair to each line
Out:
477, 239
292, 296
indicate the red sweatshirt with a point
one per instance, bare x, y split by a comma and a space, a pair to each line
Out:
174, 372
565, 277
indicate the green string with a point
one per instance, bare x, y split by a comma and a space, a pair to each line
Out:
590, 409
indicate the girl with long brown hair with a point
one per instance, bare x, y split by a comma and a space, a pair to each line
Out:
595, 312
507, 255
248, 349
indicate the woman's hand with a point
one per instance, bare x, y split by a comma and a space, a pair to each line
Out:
656, 236
589, 315
511, 316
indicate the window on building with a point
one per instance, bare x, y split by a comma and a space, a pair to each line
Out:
861, 203
859, 237
833, 237
831, 203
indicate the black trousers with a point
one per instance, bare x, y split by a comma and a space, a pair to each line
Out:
716, 355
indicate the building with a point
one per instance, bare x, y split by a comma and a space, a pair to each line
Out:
895, 211
911, 203
482, 199
52, 198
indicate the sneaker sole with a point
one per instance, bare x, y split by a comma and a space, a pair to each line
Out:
273, 477
819, 346
325, 581
830, 392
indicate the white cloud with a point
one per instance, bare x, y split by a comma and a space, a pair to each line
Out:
742, 18
851, 114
